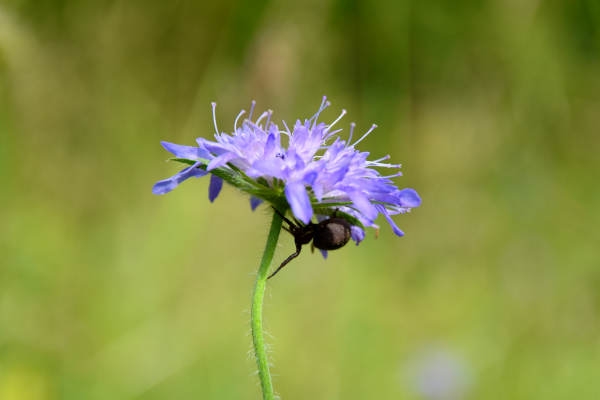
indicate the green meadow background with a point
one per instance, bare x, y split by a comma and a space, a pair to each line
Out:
110, 292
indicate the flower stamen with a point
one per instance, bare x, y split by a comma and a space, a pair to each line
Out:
315, 117
336, 121
352, 126
269, 112
260, 119
236, 120
214, 107
253, 104
365, 135
289, 133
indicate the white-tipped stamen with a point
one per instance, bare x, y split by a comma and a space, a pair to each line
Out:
321, 108
324, 105
391, 176
336, 121
264, 114
379, 160
382, 165
352, 126
214, 107
269, 112
286, 128
365, 135
251, 109
236, 120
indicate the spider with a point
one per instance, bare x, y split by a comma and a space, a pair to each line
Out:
329, 234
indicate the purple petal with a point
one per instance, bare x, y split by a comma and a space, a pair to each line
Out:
357, 233
212, 147
270, 145
162, 187
188, 152
362, 203
165, 186
310, 177
323, 253
339, 174
255, 202
214, 188
220, 161
269, 167
409, 198
300, 165
395, 228
299, 137
296, 195
356, 214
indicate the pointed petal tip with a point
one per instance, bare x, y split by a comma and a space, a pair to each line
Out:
214, 187
182, 151
397, 231
409, 198
163, 187
168, 146
166, 185
255, 202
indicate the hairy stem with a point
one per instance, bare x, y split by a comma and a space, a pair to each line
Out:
257, 305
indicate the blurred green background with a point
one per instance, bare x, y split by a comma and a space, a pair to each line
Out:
110, 292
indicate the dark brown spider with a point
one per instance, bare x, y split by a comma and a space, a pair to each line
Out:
329, 234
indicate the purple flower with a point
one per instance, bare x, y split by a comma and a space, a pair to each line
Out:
317, 173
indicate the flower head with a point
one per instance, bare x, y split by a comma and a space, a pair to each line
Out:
316, 174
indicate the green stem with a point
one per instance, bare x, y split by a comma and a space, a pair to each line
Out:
257, 304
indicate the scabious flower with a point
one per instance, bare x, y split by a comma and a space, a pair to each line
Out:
316, 174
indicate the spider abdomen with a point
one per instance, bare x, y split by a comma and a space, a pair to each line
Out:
331, 234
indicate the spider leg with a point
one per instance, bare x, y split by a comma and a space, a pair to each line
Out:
298, 223
287, 260
290, 223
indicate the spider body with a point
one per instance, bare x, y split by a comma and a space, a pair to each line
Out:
329, 234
